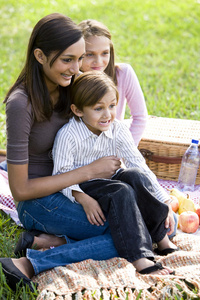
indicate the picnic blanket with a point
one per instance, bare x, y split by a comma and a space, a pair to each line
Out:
117, 277
6, 200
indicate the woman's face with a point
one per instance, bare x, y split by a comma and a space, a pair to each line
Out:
65, 66
97, 54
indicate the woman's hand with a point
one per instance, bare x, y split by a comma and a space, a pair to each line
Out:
91, 207
104, 167
169, 222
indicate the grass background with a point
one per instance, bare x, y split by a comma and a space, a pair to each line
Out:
160, 39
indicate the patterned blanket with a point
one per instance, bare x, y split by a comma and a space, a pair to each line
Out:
117, 278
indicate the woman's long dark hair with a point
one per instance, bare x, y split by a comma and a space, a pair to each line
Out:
95, 28
53, 33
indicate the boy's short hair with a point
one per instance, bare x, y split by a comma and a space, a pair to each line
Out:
90, 87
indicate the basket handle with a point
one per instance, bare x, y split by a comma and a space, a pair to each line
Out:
160, 159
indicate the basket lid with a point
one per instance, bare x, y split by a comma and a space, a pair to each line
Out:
169, 130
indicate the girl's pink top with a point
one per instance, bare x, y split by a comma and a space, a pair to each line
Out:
131, 93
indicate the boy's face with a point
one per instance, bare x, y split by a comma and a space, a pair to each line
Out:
99, 117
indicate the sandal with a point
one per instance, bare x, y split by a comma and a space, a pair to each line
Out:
155, 267
14, 275
165, 251
25, 241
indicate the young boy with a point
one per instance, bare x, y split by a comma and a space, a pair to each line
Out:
132, 200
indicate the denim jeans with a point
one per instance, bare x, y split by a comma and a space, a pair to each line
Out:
135, 216
3, 165
56, 214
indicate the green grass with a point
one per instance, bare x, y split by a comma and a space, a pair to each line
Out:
160, 39
9, 234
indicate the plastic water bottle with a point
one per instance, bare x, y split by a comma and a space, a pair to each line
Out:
189, 167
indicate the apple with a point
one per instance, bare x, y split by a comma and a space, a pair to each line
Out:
188, 221
175, 203
198, 212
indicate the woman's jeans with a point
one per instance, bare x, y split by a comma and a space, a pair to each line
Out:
56, 214
3, 165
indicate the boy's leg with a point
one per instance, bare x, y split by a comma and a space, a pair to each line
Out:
152, 210
128, 230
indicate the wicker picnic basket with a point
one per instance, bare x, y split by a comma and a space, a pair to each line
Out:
164, 142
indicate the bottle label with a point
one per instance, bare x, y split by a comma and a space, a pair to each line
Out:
188, 174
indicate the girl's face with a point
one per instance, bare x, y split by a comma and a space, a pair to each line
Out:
99, 117
64, 67
97, 54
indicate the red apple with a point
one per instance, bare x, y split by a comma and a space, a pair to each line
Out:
198, 212
174, 204
188, 221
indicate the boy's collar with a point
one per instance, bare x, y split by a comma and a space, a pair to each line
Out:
87, 133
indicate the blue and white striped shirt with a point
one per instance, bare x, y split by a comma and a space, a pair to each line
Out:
75, 146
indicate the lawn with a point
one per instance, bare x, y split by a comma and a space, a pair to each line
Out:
160, 39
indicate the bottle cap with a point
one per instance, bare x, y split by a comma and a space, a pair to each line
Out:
195, 142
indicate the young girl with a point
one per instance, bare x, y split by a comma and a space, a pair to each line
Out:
100, 56
133, 199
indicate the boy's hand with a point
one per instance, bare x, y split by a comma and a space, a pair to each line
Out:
169, 223
94, 212
103, 167
91, 207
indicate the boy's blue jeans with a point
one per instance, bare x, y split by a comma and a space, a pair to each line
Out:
57, 215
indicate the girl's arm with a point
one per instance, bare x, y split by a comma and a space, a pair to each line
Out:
129, 89
132, 158
23, 188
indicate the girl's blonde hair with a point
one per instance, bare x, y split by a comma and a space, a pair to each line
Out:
89, 88
95, 28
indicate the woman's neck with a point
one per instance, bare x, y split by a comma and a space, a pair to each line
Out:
54, 95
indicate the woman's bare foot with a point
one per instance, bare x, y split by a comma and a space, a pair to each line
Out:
165, 243
47, 241
24, 265
144, 263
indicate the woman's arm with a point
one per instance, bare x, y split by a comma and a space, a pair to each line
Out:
23, 188
20, 122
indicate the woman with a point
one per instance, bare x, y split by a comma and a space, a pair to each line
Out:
37, 106
100, 56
